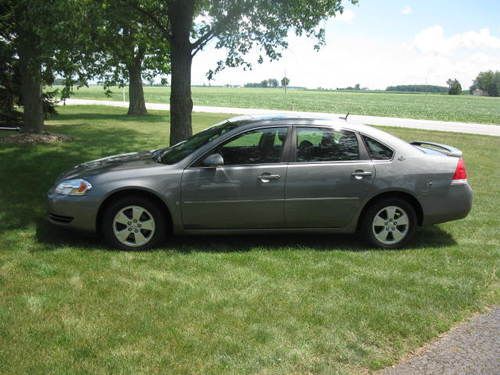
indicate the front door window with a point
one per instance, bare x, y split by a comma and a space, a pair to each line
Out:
260, 146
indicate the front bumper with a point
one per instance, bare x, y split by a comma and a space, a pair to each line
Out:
78, 212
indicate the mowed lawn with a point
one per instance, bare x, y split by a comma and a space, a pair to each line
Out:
225, 305
466, 108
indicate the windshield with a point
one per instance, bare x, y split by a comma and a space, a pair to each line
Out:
176, 153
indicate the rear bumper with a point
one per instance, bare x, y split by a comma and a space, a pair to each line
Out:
455, 204
78, 212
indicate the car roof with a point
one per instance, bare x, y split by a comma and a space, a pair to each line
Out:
281, 116
302, 119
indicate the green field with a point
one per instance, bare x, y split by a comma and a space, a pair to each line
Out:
465, 108
225, 305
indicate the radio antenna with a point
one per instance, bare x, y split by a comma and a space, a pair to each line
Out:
346, 116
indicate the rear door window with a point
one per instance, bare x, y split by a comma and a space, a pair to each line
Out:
325, 144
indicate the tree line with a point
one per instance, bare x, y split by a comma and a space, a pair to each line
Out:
418, 88
123, 41
271, 82
485, 84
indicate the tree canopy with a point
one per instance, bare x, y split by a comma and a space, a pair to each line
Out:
127, 39
130, 50
454, 87
285, 81
488, 83
236, 26
40, 39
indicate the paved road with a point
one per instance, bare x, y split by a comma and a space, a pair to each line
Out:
471, 348
456, 127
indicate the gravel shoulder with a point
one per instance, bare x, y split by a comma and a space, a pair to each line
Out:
470, 348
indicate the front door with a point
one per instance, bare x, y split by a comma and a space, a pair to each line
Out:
327, 182
247, 192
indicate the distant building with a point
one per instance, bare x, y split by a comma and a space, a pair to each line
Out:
479, 92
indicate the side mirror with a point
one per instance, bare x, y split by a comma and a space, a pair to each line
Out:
213, 161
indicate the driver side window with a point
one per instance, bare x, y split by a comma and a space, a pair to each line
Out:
260, 146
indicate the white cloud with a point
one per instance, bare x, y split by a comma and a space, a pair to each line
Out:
433, 40
347, 16
407, 10
430, 57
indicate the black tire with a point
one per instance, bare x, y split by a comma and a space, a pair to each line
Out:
158, 236
368, 231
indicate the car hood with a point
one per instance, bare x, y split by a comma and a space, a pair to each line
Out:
132, 160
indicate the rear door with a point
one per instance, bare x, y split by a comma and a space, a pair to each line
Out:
328, 179
247, 192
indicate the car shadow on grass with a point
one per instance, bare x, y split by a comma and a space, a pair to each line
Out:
55, 237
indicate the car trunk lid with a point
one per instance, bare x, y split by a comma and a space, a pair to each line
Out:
460, 173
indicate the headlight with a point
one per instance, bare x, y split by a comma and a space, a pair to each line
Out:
73, 187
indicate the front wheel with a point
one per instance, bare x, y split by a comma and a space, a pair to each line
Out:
133, 223
389, 223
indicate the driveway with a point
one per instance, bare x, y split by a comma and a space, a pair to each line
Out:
455, 127
471, 348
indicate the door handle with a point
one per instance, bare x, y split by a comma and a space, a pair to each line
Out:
359, 174
268, 177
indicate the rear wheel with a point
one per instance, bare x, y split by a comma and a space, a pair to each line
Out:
389, 223
133, 223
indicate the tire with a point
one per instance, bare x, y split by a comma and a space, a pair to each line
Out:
381, 221
134, 223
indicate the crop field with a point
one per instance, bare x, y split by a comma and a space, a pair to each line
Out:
464, 108
318, 304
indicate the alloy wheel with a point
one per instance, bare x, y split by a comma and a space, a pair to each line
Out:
133, 226
390, 225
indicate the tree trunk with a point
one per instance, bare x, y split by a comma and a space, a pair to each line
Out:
180, 15
136, 105
31, 91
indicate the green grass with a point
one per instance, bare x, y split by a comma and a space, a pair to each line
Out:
225, 305
465, 108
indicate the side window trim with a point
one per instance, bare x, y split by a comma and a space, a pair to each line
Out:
364, 154
283, 160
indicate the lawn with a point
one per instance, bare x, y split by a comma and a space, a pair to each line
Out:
225, 305
465, 108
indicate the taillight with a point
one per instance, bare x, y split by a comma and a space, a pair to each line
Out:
460, 175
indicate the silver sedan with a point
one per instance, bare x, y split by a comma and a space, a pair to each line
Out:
267, 174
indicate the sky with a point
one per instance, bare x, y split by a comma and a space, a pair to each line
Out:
378, 43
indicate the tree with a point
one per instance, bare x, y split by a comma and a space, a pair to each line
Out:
9, 85
454, 87
237, 26
488, 82
285, 82
130, 51
272, 82
39, 40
